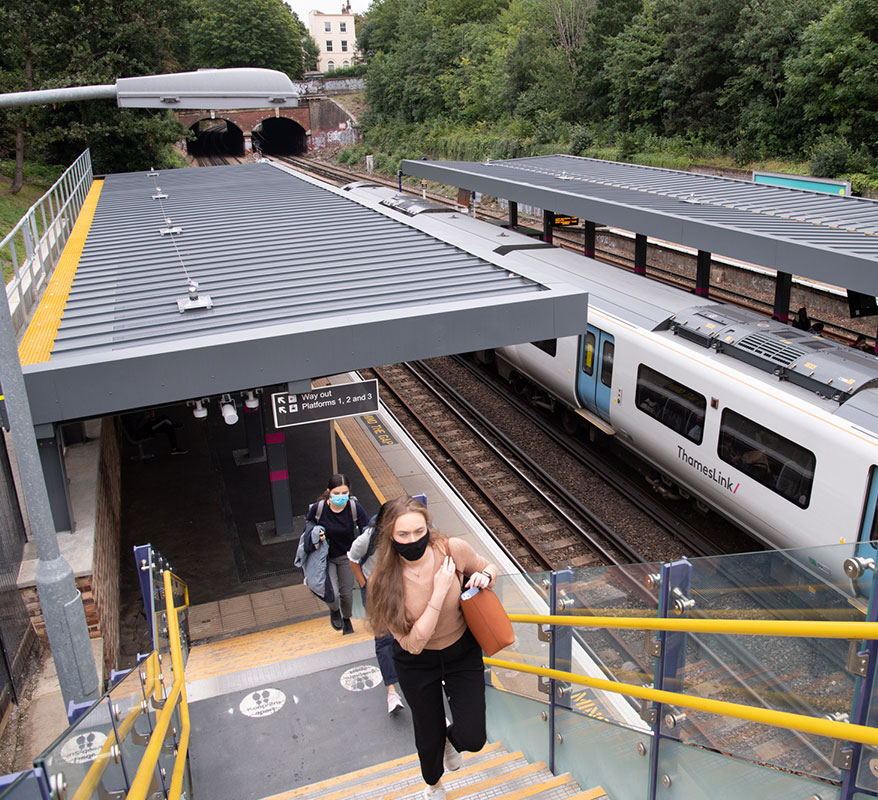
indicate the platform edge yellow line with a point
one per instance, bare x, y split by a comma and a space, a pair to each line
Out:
362, 467
39, 339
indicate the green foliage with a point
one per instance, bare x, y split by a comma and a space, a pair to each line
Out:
247, 33
832, 156
581, 138
354, 71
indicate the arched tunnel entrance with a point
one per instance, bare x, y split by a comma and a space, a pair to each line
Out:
278, 136
216, 137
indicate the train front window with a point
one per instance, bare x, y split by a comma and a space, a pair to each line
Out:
774, 461
588, 354
671, 403
607, 364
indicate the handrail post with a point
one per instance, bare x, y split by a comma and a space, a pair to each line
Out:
560, 652
863, 709
676, 579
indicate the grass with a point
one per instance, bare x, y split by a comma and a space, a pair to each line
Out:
12, 208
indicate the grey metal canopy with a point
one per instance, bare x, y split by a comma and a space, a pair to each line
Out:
819, 236
294, 281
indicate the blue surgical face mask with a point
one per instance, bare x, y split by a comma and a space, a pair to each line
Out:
338, 499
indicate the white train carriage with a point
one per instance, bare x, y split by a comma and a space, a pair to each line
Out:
775, 428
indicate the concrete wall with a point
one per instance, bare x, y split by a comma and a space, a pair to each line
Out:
331, 125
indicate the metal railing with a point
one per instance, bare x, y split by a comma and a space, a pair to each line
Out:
102, 753
749, 674
35, 244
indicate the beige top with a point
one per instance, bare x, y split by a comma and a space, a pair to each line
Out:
449, 627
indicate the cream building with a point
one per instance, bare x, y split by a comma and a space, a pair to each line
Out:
335, 36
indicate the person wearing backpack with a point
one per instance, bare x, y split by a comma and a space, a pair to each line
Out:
362, 558
341, 518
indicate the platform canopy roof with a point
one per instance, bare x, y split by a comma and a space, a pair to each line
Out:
819, 236
303, 282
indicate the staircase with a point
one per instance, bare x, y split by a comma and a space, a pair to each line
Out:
493, 773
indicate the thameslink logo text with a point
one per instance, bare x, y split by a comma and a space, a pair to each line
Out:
708, 472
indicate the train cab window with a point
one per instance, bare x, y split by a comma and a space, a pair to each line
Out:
671, 403
588, 354
549, 346
607, 364
774, 461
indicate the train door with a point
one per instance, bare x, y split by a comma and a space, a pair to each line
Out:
595, 374
867, 543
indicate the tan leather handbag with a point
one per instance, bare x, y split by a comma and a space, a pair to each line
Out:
487, 619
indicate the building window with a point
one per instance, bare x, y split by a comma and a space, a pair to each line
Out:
327, 26
329, 45
330, 66
344, 45
343, 27
348, 63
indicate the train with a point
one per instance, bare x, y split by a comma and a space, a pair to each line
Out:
772, 427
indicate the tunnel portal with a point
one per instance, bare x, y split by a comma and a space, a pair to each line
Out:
279, 136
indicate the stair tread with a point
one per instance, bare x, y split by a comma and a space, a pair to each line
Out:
491, 774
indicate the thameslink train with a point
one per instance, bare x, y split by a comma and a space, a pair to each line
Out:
774, 428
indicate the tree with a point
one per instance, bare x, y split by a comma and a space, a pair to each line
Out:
769, 32
830, 80
699, 40
76, 44
248, 33
634, 69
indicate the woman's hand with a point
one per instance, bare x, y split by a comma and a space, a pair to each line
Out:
443, 578
479, 580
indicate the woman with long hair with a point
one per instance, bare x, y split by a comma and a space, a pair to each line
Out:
334, 513
414, 594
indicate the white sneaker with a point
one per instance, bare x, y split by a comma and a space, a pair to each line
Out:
453, 759
436, 792
394, 702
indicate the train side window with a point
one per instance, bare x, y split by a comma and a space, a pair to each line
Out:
672, 403
549, 346
607, 364
774, 461
588, 354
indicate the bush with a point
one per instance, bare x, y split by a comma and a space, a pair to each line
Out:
830, 157
581, 138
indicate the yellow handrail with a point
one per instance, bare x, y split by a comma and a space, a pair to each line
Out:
92, 778
763, 627
145, 771
782, 719
177, 663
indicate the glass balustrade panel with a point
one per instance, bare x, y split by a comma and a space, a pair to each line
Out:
523, 594
131, 713
698, 774
606, 653
520, 722
798, 675
597, 752
84, 747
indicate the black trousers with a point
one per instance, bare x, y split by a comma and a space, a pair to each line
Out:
420, 677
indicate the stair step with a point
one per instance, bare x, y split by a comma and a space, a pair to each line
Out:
597, 793
380, 774
555, 787
491, 774
412, 784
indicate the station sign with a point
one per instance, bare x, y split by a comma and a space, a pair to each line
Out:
326, 402
564, 221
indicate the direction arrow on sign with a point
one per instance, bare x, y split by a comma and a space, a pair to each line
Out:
327, 402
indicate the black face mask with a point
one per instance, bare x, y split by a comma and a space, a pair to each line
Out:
412, 551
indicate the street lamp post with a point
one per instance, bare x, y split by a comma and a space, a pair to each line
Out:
61, 601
